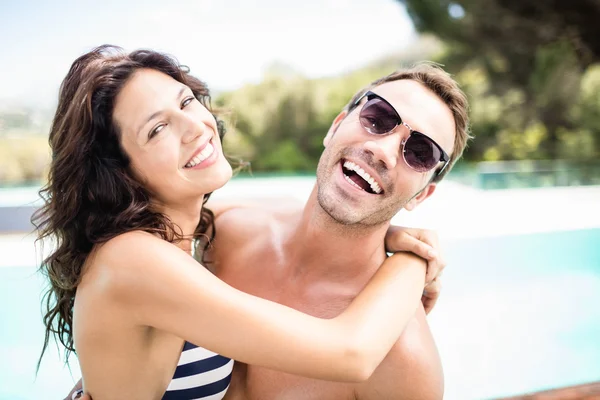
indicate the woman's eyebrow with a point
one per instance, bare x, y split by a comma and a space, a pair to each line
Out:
157, 113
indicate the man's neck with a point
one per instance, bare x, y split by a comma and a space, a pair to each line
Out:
322, 248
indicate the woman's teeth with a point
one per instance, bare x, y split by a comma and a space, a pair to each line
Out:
203, 155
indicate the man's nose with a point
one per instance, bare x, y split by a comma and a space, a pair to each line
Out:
385, 148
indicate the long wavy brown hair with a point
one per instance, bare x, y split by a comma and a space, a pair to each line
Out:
92, 195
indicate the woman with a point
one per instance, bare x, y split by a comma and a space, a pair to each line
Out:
136, 153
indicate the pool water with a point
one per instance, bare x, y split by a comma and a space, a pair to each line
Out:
517, 314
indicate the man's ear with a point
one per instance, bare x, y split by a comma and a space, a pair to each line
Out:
334, 126
420, 197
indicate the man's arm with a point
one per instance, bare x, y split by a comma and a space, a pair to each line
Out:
412, 369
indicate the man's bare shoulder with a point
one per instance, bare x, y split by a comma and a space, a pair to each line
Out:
250, 218
412, 369
247, 234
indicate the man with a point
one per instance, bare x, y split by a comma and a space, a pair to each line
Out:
387, 150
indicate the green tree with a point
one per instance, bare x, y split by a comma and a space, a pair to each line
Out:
538, 49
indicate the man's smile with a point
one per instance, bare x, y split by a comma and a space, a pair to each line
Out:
359, 178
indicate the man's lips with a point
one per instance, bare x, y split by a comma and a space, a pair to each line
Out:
361, 176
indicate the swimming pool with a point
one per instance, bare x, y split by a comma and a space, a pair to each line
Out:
518, 313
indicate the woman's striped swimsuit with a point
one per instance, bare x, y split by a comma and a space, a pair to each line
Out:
200, 374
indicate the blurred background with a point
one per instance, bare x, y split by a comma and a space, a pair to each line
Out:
519, 216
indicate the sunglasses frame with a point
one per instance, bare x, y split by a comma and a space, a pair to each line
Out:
444, 156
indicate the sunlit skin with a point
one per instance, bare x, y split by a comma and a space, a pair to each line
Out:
381, 156
140, 296
317, 261
160, 147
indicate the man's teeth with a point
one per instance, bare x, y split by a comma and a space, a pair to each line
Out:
203, 155
352, 182
349, 165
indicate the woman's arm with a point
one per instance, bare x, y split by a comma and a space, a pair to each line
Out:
422, 242
165, 288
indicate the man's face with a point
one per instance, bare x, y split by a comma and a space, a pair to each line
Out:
352, 154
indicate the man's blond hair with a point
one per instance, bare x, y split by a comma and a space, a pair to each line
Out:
433, 77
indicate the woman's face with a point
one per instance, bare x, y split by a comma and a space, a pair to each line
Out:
171, 139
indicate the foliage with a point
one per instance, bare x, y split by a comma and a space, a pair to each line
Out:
527, 67
23, 158
531, 71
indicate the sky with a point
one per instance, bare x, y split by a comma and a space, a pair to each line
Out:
226, 43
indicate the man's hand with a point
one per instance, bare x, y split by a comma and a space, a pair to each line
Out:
425, 244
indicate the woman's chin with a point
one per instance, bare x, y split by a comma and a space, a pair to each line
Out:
222, 175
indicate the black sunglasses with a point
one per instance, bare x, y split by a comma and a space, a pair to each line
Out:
419, 151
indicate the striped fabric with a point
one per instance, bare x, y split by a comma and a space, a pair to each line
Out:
200, 374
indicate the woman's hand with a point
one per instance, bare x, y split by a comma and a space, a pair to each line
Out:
431, 293
425, 244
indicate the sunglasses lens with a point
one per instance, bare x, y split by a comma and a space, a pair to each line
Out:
420, 153
378, 117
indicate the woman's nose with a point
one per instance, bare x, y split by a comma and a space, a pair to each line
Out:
192, 128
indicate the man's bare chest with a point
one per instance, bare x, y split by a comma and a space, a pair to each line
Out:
265, 275
263, 271
262, 383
